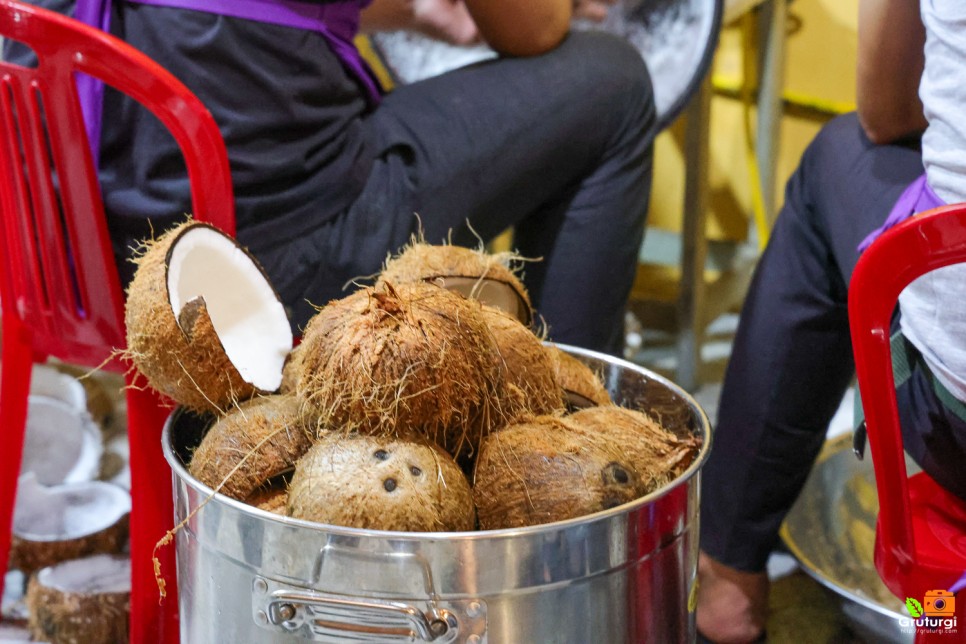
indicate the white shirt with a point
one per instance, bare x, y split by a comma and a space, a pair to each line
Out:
934, 306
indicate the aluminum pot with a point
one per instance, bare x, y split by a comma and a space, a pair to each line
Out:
622, 575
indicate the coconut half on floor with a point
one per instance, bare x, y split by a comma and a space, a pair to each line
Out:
53, 524
204, 325
85, 600
474, 274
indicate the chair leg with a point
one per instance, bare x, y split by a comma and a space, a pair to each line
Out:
16, 362
152, 514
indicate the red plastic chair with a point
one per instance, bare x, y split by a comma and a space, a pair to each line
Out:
921, 532
60, 293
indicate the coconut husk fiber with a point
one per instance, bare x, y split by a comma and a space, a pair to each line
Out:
477, 274
181, 357
82, 601
581, 386
527, 367
657, 455
399, 360
381, 483
253, 443
545, 470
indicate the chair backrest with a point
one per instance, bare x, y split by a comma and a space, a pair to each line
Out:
57, 270
931, 240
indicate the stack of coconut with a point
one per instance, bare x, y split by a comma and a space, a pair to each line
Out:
70, 522
423, 403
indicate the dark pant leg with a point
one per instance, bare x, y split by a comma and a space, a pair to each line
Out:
792, 356
556, 145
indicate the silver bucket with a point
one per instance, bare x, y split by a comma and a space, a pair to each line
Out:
623, 575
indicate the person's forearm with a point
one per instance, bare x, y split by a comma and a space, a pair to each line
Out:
387, 15
522, 27
889, 67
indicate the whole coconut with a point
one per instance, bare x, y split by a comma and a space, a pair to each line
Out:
473, 273
543, 470
398, 360
381, 483
527, 367
253, 443
657, 455
581, 386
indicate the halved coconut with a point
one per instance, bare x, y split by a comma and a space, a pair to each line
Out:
53, 524
397, 360
61, 444
81, 601
49, 381
204, 325
255, 442
541, 470
657, 455
100, 401
527, 366
381, 483
472, 273
581, 386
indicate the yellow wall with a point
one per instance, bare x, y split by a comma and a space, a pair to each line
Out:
821, 44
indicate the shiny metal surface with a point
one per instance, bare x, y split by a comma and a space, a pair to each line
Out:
624, 575
831, 531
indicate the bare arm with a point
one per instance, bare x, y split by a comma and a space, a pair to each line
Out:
446, 20
522, 27
890, 62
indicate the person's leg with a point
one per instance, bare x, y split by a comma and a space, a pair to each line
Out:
556, 145
790, 365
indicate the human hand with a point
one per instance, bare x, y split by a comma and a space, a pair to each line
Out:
595, 10
446, 20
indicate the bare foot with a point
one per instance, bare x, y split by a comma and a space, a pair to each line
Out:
732, 604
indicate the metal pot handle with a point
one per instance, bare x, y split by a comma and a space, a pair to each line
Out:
323, 617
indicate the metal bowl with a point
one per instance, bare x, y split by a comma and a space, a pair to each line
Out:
831, 532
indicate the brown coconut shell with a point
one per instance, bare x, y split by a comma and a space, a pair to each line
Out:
381, 483
581, 386
253, 443
86, 601
473, 273
182, 357
271, 499
542, 470
398, 360
657, 455
527, 366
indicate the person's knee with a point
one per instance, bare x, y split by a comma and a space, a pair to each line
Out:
838, 144
610, 70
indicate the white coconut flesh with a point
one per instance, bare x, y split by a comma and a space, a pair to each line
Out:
495, 293
68, 511
48, 381
94, 575
61, 444
244, 309
12, 606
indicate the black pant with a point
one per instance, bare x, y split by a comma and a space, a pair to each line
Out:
558, 146
792, 356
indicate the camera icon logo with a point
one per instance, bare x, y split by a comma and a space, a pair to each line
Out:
939, 603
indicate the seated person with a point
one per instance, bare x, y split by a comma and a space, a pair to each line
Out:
792, 357
553, 138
